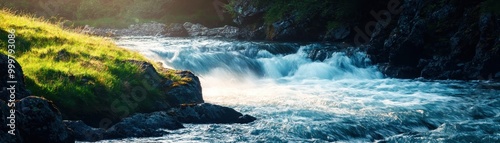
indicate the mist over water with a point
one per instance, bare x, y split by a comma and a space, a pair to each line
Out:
343, 98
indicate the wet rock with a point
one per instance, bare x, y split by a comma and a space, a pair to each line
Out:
209, 113
195, 30
143, 125
145, 29
18, 76
320, 54
187, 93
175, 30
38, 120
406, 72
83, 132
226, 32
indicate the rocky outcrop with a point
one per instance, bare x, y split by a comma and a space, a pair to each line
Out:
145, 29
138, 125
143, 125
195, 30
443, 39
83, 132
172, 30
31, 119
38, 120
448, 40
250, 19
154, 124
175, 30
209, 113
181, 94
187, 93
17, 75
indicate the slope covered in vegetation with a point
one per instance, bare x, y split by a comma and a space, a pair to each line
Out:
87, 77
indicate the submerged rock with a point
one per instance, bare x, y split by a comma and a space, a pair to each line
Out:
209, 113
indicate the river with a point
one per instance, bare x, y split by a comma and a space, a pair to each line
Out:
340, 99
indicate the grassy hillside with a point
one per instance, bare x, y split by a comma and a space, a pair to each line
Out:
85, 76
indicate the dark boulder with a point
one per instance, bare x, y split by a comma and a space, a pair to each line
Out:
209, 113
38, 120
83, 132
176, 94
138, 125
18, 76
143, 125
189, 92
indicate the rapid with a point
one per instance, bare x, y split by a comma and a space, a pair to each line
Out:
343, 98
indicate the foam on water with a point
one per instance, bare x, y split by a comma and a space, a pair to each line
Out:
342, 98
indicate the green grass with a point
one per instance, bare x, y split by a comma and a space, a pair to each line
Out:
82, 74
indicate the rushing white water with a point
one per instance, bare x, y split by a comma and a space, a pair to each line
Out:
342, 98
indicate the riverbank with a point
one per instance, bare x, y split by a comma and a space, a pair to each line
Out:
72, 76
